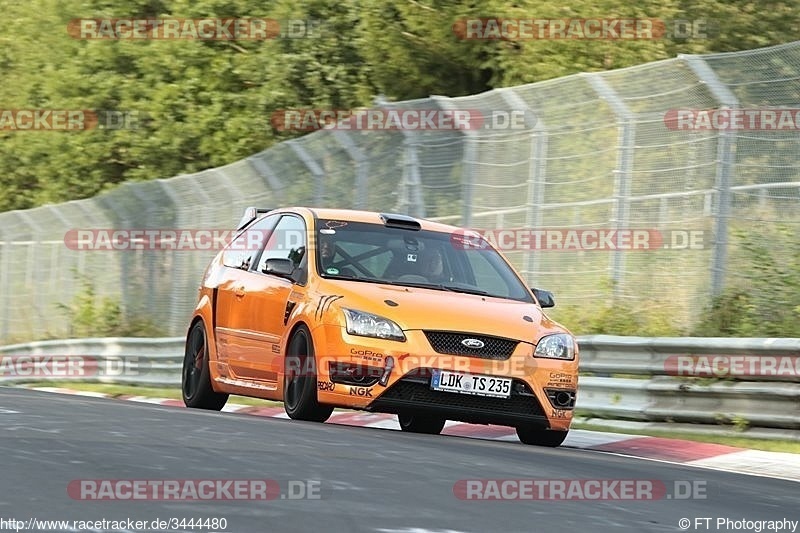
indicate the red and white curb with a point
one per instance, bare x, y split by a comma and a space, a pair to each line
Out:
697, 454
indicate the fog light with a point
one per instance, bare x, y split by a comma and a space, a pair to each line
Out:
561, 398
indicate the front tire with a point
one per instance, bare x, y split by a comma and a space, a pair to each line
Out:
300, 380
541, 437
417, 423
196, 386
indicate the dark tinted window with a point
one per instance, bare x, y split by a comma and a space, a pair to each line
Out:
287, 241
243, 250
375, 253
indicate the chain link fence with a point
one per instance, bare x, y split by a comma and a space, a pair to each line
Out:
599, 155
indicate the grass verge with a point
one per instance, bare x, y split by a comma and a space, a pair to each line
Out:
769, 445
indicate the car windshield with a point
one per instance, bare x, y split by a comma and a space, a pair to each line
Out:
374, 253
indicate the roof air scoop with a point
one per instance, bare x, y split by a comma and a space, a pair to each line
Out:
391, 220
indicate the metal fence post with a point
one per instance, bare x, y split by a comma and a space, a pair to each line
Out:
148, 257
118, 220
264, 170
411, 178
409, 195
174, 313
725, 159
313, 167
97, 222
362, 166
414, 179
31, 270
622, 183
537, 168
55, 252
469, 162
410, 198
230, 182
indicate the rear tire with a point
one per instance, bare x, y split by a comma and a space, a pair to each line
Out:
196, 386
541, 437
300, 380
416, 423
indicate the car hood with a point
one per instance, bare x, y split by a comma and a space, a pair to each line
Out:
430, 309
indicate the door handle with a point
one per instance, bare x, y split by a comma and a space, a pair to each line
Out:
239, 292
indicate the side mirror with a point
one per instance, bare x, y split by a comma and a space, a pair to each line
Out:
545, 297
279, 266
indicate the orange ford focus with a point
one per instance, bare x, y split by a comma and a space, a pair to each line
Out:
323, 308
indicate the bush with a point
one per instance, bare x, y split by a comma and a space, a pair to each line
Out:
90, 316
763, 294
616, 319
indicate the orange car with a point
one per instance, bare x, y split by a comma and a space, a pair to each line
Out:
323, 308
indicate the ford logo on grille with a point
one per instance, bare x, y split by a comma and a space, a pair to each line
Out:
473, 343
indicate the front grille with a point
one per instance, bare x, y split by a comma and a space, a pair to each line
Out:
449, 342
417, 391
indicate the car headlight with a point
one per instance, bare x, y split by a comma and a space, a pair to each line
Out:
369, 325
558, 346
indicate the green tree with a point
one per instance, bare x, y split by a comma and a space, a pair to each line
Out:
208, 103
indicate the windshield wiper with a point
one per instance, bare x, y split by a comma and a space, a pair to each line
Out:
441, 287
341, 276
351, 277
415, 284
467, 290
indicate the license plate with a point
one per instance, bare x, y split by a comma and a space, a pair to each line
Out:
463, 383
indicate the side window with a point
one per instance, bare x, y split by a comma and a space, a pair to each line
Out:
288, 241
486, 275
243, 250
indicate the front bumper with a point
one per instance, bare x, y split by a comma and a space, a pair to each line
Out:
406, 386
412, 393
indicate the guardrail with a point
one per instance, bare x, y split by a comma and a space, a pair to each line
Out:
650, 380
130, 361
623, 378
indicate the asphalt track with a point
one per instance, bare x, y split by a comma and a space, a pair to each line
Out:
371, 479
